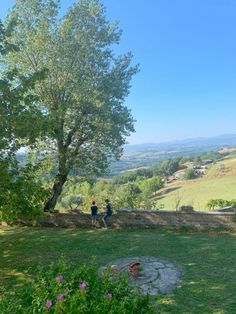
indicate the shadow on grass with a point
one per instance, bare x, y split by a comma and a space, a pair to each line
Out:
206, 259
167, 190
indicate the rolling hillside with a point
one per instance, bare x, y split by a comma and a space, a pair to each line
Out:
219, 182
147, 154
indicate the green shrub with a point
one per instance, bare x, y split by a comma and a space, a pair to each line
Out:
21, 196
72, 200
220, 203
61, 289
186, 209
189, 174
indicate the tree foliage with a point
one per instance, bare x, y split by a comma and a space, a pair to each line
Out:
21, 121
169, 166
83, 93
197, 161
220, 203
151, 185
131, 176
20, 195
129, 196
189, 174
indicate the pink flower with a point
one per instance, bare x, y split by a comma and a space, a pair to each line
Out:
59, 278
83, 285
60, 296
109, 295
48, 304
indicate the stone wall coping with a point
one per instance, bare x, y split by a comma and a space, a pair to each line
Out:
125, 217
146, 211
174, 212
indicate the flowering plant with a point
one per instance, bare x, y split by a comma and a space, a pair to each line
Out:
61, 289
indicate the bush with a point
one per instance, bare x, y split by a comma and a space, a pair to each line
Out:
186, 209
21, 196
220, 203
71, 200
62, 290
189, 174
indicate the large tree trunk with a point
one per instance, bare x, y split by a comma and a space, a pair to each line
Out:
56, 192
61, 177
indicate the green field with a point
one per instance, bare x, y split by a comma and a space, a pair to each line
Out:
207, 261
219, 182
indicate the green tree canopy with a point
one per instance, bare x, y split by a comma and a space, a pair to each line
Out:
189, 174
21, 120
150, 186
86, 84
20, 194
197, 161
169, 166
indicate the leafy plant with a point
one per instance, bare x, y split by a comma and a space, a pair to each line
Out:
189, 174
220, 203
71, 200
21, 196
61, 289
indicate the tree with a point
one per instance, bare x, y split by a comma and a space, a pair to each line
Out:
20, 194
86, 85
169, 166
21, 120
189, 174
129, 196
150, 186
197, 161
71, 200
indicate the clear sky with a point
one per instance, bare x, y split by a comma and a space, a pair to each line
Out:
187, 54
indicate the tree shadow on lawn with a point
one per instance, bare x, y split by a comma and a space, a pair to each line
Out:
198, 297
207, 260
208, 281
161, 194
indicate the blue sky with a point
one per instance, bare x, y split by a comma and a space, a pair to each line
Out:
187, 54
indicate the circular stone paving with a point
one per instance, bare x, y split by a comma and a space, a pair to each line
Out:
156, 275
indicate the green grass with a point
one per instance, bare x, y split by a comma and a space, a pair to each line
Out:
207, 260
219, 182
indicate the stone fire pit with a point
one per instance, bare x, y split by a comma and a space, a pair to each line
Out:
156, 275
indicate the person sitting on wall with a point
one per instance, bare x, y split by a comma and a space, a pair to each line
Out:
108, 212
94, 212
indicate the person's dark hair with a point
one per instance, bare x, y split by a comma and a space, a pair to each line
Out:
93, 202
107, 200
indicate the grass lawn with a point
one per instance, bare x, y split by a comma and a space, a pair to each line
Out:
219, 182
207, 260
197, 192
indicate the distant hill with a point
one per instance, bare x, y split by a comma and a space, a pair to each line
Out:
146, 154
143, 155
215, 142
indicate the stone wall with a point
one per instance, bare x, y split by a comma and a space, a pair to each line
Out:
143, 218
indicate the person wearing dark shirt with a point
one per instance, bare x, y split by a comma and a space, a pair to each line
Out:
108, 212
94, 212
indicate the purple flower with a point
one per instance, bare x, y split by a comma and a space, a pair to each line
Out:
60, 296
48, 304
59, 278
109, 295
83, 285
